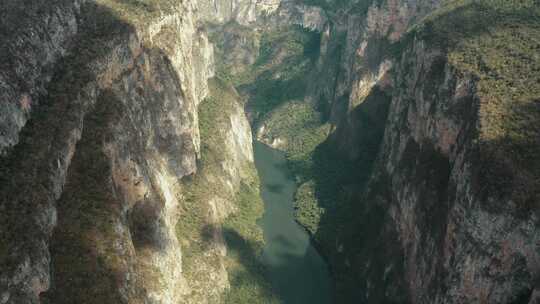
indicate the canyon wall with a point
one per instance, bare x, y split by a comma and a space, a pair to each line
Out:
99, 129
446, 209
426, 188
415, 145
454, 239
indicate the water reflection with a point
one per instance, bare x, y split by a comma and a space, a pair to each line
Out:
296, 270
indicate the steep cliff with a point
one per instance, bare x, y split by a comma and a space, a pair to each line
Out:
241, 11
220, 205
412, 127
437, 133
459, 157
270, 61
112, 126
99, 132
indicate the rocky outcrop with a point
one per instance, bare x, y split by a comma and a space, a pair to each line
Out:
36, 37
440, 219
211, 198
298, 13
454, 245
244, 12
263, 13
355, 52
237, 36
99, 124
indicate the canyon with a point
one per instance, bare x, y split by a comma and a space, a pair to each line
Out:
410, 128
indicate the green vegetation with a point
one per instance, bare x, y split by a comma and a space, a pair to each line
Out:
278, 75
323, 203
308, 211
285, 58
302, 128
243, 236
276, 87
493, 41
498, 43
85, 259
139, 12
244, 241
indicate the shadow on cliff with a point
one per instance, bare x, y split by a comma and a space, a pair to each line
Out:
357, 232
87, 213
254, 281
252, 274
86, 266
342, 166
501, 33
30, 175
248, 277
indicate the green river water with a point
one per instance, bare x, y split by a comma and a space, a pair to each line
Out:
297, 272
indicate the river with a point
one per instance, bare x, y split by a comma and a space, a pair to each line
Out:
297, 271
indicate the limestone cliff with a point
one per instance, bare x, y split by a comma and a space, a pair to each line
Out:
127, 177
441, 203
98, 129
426, 188
259, 14
245, 12
236, 27
220, 205
355, 49
454, 238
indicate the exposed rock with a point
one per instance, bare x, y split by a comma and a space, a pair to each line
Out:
34, 38
429, 226
455, 248
113, 127
244, 12
101, 157
211, 198
263, 13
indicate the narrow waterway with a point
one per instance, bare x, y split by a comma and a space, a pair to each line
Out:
297, 271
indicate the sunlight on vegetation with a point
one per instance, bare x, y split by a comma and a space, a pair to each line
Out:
242, 235
498, 42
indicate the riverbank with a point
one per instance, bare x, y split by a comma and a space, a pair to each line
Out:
296, 270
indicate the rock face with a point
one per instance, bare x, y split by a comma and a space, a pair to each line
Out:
262, 13
245, 12
212, 194
39, 38
107, 194
355, 51
236, 31
425, 229
98, 126
429, 224
456, 242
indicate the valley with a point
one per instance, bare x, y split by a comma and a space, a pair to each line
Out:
276, 151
